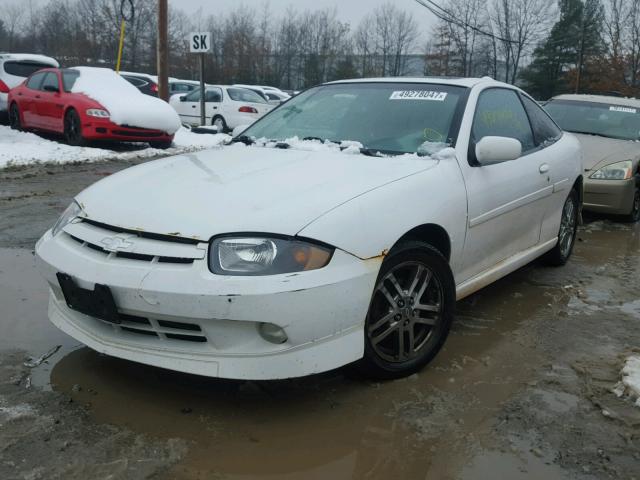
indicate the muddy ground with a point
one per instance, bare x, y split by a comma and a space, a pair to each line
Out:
522, 389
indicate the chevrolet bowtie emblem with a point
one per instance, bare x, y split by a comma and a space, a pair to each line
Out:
116, 244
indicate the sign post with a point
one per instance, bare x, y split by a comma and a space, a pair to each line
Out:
199, 42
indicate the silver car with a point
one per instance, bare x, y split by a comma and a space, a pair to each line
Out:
608, 129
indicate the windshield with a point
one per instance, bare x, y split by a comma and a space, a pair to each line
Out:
389, 117
603, 119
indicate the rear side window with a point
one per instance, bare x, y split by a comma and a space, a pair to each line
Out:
135, 81
23, 69
50, 80
69, 78
35, 81
500, 113
545, 130
244, 95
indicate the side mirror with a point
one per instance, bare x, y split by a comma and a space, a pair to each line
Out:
183, 98
51, 88
492, 150
238, 130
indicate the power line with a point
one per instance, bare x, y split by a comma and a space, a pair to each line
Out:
448, 17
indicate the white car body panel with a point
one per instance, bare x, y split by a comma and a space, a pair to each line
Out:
189, 112
496, 217
13, 81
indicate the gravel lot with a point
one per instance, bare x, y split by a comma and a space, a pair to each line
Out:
521, 390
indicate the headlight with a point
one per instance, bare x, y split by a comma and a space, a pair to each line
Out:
254, 255
615, 171
96, 112
67, 216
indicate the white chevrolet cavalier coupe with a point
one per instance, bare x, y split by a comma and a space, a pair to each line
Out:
342, 227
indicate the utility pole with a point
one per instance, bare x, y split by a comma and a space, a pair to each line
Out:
163, 51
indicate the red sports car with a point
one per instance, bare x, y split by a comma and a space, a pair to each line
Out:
46, 102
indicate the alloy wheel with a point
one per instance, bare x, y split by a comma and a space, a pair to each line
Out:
406, 310
567, 226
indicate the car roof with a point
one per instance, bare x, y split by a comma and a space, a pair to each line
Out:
29, 57
456, 81
608, 99
154, 78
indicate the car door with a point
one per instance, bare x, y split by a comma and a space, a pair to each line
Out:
560, 171
28, 97
506, 201
48, 104
188, 108
213, 102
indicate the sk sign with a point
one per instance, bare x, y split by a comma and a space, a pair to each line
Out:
199, 42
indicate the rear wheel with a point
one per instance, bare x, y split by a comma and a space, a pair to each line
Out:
160, 145
634, 216
73, 129
568, 230
220, 122
14, 117
410, 313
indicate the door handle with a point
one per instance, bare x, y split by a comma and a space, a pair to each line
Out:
37, 96
544, 168
193, 106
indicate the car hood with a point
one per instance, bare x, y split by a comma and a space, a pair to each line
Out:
600, 151
239, 189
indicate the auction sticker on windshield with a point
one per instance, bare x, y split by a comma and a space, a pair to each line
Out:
622, 109
418, 95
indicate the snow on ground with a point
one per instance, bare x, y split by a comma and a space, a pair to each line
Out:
630, 383
23, 148
125, 103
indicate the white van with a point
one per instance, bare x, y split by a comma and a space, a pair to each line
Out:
15, 67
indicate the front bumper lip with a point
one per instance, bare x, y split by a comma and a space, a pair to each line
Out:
609, 196
322, 312
102, 129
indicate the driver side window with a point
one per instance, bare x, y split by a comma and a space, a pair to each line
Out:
500, 113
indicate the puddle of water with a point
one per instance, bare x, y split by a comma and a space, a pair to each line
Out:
24, 324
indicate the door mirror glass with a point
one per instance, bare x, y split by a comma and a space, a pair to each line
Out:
183, 98
491, 150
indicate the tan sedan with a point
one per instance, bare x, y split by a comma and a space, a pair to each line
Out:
608, 129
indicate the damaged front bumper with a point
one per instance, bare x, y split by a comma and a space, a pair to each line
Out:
180, 316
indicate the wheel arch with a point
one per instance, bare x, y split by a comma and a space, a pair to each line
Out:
431, 233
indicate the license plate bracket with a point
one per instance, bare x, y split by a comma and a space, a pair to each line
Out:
98, 303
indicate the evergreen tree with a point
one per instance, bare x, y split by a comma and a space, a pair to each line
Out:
559, 62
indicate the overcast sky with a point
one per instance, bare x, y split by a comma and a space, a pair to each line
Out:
350, 10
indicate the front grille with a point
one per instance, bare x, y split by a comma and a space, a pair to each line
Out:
132, 256
161, 329
149, 235
129, 133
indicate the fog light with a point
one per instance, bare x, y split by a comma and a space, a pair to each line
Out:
272, 333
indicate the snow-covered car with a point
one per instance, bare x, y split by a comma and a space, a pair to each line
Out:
276, 98
226, 107
15, 67
148, 84
85, 103
608, 129
340, 228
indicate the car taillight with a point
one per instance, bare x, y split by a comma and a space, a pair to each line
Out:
3, 87
247, 110
154, 88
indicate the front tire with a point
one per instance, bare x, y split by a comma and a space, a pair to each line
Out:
73, 129
221, 123
634, 216
567, 234
14, 118
410, 313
